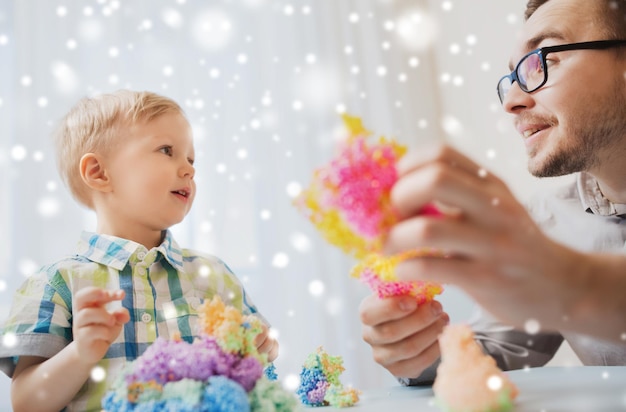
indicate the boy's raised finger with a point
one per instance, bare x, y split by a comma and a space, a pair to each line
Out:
93, 296
93, 316
121, 315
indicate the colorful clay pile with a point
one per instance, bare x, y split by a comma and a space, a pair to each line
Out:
320, 384
221, 371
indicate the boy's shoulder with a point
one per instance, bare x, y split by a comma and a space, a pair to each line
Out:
59, 276
198, 259
62, 265
67, 263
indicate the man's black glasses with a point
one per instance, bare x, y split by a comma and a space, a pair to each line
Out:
532, 70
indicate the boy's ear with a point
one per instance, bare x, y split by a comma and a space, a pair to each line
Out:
93, 173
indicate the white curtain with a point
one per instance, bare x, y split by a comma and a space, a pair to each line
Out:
262, 82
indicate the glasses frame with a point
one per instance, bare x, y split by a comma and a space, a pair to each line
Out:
543, 52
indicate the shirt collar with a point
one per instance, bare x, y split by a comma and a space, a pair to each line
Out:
116, 252
593, 200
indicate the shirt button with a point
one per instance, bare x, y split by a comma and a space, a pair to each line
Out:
141, 271
145, 317
141, 255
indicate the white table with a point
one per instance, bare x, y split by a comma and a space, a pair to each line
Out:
548, 389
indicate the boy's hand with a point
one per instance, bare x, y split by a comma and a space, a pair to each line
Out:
94, 327
266, 344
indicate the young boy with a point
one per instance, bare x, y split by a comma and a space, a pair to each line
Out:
129, 157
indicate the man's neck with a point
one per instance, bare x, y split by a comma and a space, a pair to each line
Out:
615, 193
610, 174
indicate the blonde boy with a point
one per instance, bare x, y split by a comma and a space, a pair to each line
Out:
129, 157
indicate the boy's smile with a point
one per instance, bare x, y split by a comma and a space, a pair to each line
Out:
182, 194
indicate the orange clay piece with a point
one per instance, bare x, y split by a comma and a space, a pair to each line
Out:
467, 379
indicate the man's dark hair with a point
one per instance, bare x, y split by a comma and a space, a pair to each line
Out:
611, 16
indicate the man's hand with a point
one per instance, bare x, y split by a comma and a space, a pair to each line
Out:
493, 249
94, 327
266, 344
402, 335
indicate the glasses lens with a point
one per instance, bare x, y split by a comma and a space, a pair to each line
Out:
503, 87
530, 73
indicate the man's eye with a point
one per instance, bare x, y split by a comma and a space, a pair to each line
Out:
551, 62
166, 150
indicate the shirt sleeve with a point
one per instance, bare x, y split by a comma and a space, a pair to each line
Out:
426, 378
510, 348
39, 322
513, 348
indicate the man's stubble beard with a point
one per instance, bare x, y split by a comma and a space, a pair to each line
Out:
590, 136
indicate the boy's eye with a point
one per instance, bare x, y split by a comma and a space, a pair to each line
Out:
166, 150
190, 160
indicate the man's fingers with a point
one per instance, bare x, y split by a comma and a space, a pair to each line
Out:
438, 182
411, 346
92, 296
395, 331
466, 273
442, 176
413, 367
415, 159
374, 311
450, 235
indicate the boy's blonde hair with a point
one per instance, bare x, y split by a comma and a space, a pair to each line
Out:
96, 124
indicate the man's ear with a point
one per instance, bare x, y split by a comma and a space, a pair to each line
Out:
93, 173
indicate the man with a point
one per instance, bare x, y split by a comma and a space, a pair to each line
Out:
567, 280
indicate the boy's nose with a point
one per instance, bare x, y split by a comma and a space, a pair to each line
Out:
187, 170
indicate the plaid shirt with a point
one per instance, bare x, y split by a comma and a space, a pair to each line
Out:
164, 287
